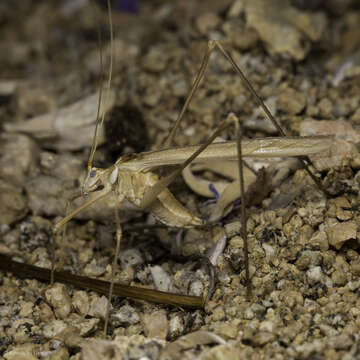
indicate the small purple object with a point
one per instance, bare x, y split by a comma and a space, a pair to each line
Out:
214, 191
131, 6
237, 202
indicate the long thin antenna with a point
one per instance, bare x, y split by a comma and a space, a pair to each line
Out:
98, 120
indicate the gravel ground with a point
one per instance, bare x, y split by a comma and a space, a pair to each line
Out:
302, 58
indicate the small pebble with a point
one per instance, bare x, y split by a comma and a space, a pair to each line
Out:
315, 275
291, 101
54, 328
125, 316
58, 297
340, 233
207, 22
156, 325
325, 108
261, 338
176, 326
80, 301
319, 241
98, 307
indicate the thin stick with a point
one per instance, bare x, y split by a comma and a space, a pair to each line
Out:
27, 271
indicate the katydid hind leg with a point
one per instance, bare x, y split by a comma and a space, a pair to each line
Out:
213, 44
306, 162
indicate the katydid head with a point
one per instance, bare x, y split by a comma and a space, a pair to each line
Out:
93, 180
98, 179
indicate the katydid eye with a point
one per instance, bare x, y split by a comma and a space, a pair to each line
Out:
92, 173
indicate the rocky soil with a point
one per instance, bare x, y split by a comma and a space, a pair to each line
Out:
302, 57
